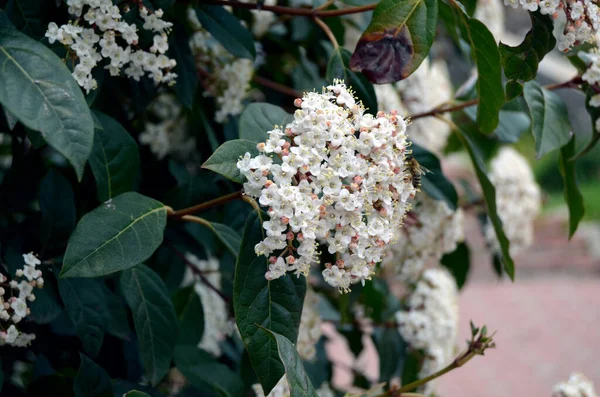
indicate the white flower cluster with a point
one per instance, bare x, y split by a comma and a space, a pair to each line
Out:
582, 18
431, 321
282, 389
432, 229
577, 386
592, 76
216, 321
168, 134
310, 331
428, 87
225, 78
518, 200
111, 38
14, 309
339, 176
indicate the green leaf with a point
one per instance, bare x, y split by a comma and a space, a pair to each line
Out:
489, 196
412, 366
396, 41
115, 159
338, 68
116, 320
11, 120
154, 319
115, 236
520, 63
136, 393
227, 30
91, 380
39, 90
300, 384
203, 371
224, 160
392, 353
57, 204
458, 262
435, 184
85, 305
258, 118
276, 305
188, 308
549, 118
229, 237
513, 122
573, 196
46, 307
514, 89
187, 74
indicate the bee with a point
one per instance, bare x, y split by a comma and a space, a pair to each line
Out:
416, 171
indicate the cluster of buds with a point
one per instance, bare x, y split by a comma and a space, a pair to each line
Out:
14, 308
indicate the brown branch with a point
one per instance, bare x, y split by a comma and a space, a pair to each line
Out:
202, 206
303, 12
277, 87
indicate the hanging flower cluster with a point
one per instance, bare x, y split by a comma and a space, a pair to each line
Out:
577, 386
582, 18
14, 309
513, 178
225, 78
432, 229
310, 331
109, 37
430, 322
339, 176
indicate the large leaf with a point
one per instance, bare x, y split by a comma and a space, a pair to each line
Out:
91, 380
117, 323
224, 160
85, 305
258, 118
115, 236
396, 41
115, 159
514, 122
38, 89
275, 305
202, 371
489, 196
46, 307
227, 30
300, 384
154, 319
573, 196
338, 68
521, 62
392, 352
229, 237
57, 204
458, 262
549, 118
435, 184
188, 308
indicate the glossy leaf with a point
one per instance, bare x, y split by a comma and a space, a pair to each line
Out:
85, 305
38, 89
396, 41
259, 118
227, 30
392, 353
229, 237
458, 262
57, 204
338, 68
188, 308
513, 122
275, 305
154, 319
224, 160
549, 118
573, 196
117, 323
91, 380
115, 159
435, 184
300, 384
202, 371
115, 236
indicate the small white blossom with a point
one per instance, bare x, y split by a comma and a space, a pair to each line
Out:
577, 386
309, 332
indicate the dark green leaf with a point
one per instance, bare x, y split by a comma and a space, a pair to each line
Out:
435, 184
91, 380
46, 306
396, 41
353, 336
115, 159
258, 118
300, 384
392, 353
513, 122
187, 74
514, 89
116, 320
11, 120
85, 305
338, 68
229, 237
549, 118
115, 236
188, 308
39, 90
412, 367
227, 30
136, 393
489, 195
57, 204
154, 319
459, 263
276, 305
224, 160
201, 369
573, 196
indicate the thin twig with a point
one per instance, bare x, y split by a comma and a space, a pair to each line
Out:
202, 206
303, 12
327, 31
277, 86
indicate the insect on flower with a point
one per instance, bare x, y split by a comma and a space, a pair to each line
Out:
416, 171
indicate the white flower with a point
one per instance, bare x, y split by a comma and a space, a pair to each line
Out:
19, 307
595, 101
31, 259
577, 386
11, 335
309, 332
